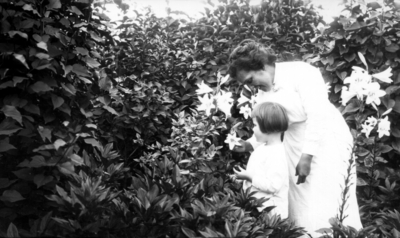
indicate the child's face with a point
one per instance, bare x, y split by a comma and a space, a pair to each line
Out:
260, 136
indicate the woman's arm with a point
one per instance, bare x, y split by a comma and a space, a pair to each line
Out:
314, 97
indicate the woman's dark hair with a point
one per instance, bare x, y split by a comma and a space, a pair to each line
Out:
250, 55
271, 117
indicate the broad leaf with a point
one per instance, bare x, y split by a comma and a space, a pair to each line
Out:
53, 4
21, 59
11, 111
40, 87
12, 231
57, 101
11, 196
5, 145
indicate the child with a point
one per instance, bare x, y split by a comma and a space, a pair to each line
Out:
267, 170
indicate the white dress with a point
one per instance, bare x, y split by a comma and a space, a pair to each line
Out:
269, 168
317, 128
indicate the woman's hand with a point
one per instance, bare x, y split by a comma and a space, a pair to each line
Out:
241, 173
303, 168
243, 147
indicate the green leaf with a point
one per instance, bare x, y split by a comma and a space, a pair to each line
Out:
40, 87
11, 111
5, 145
13, 33
95, 36
53, 4
76, 10
76, 159
58, 143
37, 162
41, 180
4, 182
42, 45
93, 142
12, 231
392, 48
21, 59
57, 101
17, 79
82, 51
92, 62
32, 109
11, 196
80, 70
362, 58
8, 127
188, 232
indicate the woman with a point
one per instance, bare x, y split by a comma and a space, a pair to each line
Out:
318, 143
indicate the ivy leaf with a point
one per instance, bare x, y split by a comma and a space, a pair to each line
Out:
21, 59
57, 101
53, 4
11, 196
11, 111
5, 145
40, 87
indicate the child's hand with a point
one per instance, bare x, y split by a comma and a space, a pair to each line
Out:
242, 174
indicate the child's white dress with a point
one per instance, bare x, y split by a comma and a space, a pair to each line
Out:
317, 128
269, 168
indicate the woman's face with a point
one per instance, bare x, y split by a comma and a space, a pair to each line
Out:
261, 79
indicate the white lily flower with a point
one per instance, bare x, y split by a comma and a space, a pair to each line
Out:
232, 140
207, 103
346, 95
246, 111
366, 129
225, 102
374, 93
253, 100
384, 127
204, 88
242, 99
369, 125
384, 76
358, 79
371, 121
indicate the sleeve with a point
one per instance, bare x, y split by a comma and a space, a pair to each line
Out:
272, 174
314, 97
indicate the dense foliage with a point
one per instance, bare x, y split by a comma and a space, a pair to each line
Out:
101, 136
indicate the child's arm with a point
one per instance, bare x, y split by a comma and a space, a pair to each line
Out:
271, 176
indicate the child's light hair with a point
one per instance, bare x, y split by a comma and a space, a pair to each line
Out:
271, 117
